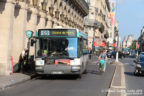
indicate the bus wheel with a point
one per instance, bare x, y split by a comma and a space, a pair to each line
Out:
80, 76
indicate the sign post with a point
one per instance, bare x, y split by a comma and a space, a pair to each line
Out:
29, 35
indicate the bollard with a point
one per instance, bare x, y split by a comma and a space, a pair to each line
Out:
11, 65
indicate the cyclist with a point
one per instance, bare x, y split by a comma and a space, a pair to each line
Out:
102, 61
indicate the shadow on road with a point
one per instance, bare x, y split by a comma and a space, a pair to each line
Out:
132, 74
96, 72
58, 77
129, 73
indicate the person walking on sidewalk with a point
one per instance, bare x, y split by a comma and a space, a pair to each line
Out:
102, 61
90, 55
22, 59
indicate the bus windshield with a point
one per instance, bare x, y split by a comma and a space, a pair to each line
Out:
56, 47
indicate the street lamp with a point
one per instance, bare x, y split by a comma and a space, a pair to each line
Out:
62, 17
116, 33
57, 14
72, 23
51, 9
69, 22
66, 19
44, 5
35, 2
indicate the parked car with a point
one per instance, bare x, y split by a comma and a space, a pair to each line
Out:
113, 55
133, 53
126, 51
109, 54
139, 65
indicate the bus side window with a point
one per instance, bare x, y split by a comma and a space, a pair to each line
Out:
85, 47
80, 52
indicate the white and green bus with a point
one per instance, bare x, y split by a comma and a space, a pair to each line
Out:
61, 51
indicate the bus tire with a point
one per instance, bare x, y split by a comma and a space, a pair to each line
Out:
80, 76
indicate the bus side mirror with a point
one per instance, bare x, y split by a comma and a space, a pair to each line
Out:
33, 42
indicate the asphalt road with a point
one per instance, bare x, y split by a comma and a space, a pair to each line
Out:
91, 84
134, 84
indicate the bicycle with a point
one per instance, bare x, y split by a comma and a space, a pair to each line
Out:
102, 66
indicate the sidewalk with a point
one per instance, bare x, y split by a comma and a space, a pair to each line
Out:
7, 81
118, 87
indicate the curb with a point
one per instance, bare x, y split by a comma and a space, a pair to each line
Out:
14, 81
121, 89
108, 94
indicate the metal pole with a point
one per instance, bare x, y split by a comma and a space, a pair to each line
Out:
117, 60
28, 46
117, 54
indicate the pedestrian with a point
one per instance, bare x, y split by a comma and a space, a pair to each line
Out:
102, 61
90, 55
22, 59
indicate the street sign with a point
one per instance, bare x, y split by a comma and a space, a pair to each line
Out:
29, 34
99, 43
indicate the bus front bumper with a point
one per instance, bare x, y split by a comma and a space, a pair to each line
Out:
58, 69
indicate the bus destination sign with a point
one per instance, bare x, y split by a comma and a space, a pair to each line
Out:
57, 32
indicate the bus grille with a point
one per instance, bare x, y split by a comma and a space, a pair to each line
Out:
50, 61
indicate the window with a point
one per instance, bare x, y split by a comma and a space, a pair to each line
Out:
83, 46
56, 47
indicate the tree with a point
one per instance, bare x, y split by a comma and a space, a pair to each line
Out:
133, 45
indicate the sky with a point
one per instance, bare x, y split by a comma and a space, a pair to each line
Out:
130, 17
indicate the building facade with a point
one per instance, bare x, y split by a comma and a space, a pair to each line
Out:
97, 23
128, 41
18, 16
124, 42
141, 40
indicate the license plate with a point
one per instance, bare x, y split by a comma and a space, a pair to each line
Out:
57, 72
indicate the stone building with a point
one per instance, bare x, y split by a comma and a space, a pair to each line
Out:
124, 42
128, 41
97, 23
141, 40
18, 16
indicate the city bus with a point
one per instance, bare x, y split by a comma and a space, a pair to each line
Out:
61, 51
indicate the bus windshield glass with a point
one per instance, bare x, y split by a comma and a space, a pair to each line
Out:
56, 47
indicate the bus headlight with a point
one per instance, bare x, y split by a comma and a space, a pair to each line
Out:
75, 62
39, 62
138, 66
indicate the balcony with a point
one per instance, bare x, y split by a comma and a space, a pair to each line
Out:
92, 22
81, 5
